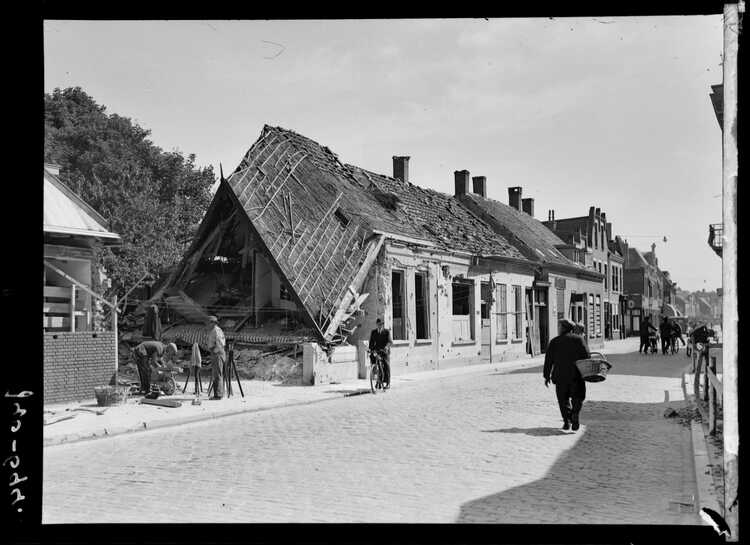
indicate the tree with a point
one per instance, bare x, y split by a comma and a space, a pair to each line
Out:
153, 199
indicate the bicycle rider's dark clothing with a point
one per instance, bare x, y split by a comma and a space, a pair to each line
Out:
677, 332
560, 366
644, 330
379, 341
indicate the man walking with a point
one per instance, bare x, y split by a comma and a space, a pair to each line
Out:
645, 326
152, 353
560, 366
665, 332
216, 342
380, 340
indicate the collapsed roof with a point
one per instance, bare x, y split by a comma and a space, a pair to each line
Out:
321, 223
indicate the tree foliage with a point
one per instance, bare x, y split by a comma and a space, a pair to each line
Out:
153, 199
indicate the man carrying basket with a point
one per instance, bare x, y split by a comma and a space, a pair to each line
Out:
560, 366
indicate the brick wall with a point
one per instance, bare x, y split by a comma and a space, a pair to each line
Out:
76, 362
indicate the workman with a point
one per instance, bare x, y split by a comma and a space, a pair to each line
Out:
152, 354
380, 340
560, 367
216, 343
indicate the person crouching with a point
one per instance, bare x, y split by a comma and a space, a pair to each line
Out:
560, 367
151, 354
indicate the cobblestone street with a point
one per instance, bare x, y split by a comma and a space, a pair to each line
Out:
479, 447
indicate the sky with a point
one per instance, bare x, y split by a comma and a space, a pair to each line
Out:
607, 112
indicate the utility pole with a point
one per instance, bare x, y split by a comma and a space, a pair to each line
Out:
729, 269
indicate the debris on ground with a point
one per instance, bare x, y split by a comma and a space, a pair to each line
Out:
54, 420
670, 413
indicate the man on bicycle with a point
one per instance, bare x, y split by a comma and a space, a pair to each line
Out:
676, 334
380, 341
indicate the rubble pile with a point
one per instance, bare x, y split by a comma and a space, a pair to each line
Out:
270, 366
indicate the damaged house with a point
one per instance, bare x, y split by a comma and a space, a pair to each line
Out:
562, 288
299, 247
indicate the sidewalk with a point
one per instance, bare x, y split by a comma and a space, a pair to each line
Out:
259, 396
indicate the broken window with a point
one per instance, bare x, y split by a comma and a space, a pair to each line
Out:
463, 316
397, 305
502, 312
421, 297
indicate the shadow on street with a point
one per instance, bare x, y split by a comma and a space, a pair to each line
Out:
533, 432
633, 363
627, 467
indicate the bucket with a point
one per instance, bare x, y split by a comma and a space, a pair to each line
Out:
111, 395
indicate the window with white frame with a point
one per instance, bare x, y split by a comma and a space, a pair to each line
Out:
518, 312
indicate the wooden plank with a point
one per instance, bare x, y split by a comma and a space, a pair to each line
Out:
321, 222
77, 283
172, 403
716, 384
281, 185
72, 307
321, 253
57, 291
57, 308
333, 254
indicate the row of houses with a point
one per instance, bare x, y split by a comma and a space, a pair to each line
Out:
459, 278
456, 278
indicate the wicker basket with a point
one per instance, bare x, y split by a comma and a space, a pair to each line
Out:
595, 368
109, 395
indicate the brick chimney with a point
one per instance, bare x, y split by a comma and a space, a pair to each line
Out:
528, 206
462, 182
551, 215
401, 168
609, 231
514, 197
480, 185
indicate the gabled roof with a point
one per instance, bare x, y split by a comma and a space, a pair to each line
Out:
378, 201
66, 213
322, 222
636, 260
532, 238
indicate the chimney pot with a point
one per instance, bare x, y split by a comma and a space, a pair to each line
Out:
462, 182
401, 168
514, 197
528, 206
480, 185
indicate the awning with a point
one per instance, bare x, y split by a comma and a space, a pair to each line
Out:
671, 311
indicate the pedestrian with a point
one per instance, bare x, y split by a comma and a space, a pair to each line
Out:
677, 333
560, 367
380, 340
150, 354
216, 342
665, 332
644, 332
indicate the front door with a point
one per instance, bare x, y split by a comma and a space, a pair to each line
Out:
541, 317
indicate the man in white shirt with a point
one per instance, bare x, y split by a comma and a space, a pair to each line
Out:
216, 342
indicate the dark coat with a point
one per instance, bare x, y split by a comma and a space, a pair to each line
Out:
378, 341
560, 360
645, 326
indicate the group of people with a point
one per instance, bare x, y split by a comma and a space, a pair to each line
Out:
669, 331
152, 355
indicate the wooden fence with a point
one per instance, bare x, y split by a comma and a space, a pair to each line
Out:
707, 387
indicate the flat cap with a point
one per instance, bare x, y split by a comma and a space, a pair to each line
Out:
213, 320
567, 324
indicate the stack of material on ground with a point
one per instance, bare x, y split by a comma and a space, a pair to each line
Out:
271, 366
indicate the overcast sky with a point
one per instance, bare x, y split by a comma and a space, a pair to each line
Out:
606, 112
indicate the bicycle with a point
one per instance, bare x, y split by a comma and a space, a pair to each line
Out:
377, 372
674, 345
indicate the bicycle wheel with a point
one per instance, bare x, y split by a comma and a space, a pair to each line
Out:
374, 377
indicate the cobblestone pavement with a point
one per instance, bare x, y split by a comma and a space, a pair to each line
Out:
482, 447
